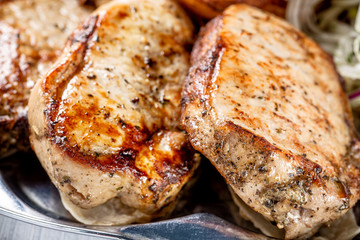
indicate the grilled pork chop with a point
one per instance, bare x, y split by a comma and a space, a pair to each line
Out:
104, 122
32, 34
264, 104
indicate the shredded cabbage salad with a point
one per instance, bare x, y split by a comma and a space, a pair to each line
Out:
335, 25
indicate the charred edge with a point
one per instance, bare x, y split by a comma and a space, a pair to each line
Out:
205, 40
204, 68
86, 31
123, 160
173, 169
135, 140
81, 35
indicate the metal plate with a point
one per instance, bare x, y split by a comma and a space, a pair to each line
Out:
28, 195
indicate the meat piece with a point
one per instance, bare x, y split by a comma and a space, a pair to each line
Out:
211, 8
32, 34
104, 122
265, 105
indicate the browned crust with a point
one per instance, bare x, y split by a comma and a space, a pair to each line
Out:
207, 53
203, 44
171, 168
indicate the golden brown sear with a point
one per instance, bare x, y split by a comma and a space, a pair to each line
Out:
264, 104
104, 122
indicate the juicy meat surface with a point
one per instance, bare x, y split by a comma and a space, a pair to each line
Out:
104, 122
32, 34
265, 105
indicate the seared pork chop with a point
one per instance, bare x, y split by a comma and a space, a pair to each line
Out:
265, 105
32, 34
104, 122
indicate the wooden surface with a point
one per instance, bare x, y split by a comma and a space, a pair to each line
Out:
11, 229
